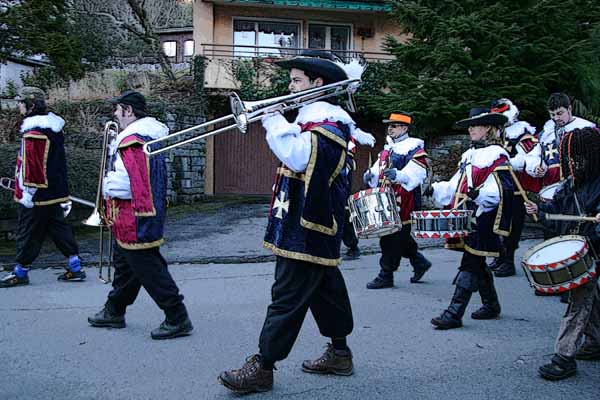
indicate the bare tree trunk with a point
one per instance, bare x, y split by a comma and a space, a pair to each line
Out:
151, 38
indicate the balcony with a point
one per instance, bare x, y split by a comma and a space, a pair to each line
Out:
222, 57
230, 51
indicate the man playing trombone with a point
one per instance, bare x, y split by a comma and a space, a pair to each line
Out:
42, 190
136, 195
305, 227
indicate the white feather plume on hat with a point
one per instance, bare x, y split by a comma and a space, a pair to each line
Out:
353, 69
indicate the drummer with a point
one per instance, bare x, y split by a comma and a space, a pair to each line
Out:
561, 121
520, 142
483, 183
579, 333
402, 162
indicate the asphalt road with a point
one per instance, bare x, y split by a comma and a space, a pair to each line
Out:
48, 351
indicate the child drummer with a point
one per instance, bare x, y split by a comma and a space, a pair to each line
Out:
579, 333
484, 185
403, 162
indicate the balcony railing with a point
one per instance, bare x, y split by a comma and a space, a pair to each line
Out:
221, 51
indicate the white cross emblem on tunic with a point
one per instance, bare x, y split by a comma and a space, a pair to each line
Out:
551, 151
280, 205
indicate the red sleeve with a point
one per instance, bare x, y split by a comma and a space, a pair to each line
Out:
527, 143
35, 157
421, 158
137, 165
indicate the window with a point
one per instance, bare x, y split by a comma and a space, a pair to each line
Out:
329, 37
188, 48
265, 38
170, 48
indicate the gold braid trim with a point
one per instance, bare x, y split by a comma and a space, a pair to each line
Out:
498, 219
329, 262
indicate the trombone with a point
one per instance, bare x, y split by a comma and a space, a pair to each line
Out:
246, 112
9, 184
100, 217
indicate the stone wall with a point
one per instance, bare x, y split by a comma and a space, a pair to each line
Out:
186, 164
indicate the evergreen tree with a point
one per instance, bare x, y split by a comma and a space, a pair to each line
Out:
464, 53
42, 27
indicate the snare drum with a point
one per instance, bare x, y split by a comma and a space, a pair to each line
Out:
374, 212
559, 264
441, 224
547, 192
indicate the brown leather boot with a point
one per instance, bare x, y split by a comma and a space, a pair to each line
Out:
337, 362
252, 377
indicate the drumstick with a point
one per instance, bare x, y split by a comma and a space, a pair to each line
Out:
460, 203
523, 194
563, 217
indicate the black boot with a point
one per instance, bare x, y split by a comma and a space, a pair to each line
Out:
167, 330
491, 307
353, 253
385, 279
498, 261
452, 317
420, 265
507, 268
560, 368
107, 318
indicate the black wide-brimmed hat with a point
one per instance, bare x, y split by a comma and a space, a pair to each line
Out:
317, 62
136, 100
482, 116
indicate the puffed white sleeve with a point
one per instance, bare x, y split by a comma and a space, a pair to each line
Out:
286, 141
443, 192
411, 176
489, 194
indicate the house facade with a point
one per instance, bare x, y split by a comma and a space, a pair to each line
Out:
227, 30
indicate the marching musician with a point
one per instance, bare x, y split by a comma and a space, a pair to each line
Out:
579, 333
561, 122
42, 190
403, 161
305, 225
484, 183
520, 143
135, 189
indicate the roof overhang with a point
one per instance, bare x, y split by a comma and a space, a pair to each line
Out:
340, 5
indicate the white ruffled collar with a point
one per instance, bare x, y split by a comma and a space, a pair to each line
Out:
405, 146
484, 157
147, 126
577, 123
518, 128
322, 111
50, 121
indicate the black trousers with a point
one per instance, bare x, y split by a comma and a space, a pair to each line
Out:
395, 246
511, 242
33, 224
473, 273
300, 286
348, 235
146, 268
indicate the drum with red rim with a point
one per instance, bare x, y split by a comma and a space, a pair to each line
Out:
441, 224
559, 264
374, 212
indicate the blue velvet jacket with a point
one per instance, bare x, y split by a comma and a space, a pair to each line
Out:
307, 211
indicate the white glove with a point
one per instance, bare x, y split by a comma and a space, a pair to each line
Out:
66, 207
116, 186
367, 176
27, 199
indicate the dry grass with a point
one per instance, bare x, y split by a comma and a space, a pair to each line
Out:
101, 85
